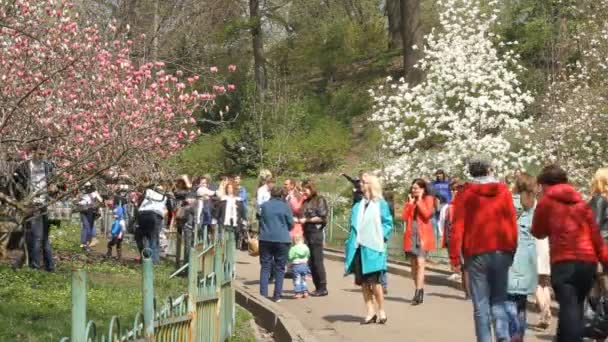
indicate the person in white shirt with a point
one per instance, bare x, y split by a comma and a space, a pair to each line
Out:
89, 203
152, 210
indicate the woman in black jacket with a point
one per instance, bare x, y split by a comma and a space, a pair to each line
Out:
314, 220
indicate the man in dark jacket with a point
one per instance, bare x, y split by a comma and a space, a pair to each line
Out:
32, 178
276, 220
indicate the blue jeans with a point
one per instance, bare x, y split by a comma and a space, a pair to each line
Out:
516, 309
273, 252
384, 279
37, 236
488, 277
87, 223
300, 271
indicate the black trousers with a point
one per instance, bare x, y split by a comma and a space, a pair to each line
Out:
571, 281
314, 240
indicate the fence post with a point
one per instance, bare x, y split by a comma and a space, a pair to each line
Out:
331, 223
79, 305
148, 294
193, 266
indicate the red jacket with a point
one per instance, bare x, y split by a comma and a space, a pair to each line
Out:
563, 216
424, 212
484, 221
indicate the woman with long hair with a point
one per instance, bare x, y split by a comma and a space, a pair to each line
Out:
419, 236
576, 246
314, 219
230, 212
523, 278
295, 199
371, 224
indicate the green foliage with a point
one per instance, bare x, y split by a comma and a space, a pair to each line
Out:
206, 155
325, 146
36, 304
242, 331
348, 102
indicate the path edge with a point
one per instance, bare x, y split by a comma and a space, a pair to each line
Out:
396, 267
284, 326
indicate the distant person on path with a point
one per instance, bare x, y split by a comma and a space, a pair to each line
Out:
418, 237
151, 213
371, 224
485, 232
263, 192
576, 246
441, 187
231, 214
32, 178
543, 264
298, 258
295, 199
276, 221
117, 232
315, 212
242, 193
185, 221
523, 277
89, 204
599, 205
357, 185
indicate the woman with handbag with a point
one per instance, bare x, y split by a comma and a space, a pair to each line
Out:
230, 213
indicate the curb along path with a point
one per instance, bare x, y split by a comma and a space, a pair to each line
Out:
444, 316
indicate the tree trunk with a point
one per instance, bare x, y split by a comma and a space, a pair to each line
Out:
412, 36
393, 13
155, 31
258, 47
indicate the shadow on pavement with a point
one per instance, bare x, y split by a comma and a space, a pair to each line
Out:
342, 318
446, 296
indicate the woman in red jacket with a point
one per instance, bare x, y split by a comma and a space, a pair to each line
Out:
576, 246
419, 237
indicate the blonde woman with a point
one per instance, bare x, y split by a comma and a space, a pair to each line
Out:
599, 205
371, 224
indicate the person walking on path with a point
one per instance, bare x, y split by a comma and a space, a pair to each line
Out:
88, 205
576, 246
314, 220
33, 178
231, 214
418, 237
151, 212
599, 205
371, 224
295, 199
543, 290
485, 232
276, 221
523, 278
298, 258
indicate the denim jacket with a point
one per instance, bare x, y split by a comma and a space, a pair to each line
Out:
523, 277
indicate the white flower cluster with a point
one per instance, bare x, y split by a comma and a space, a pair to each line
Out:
573, 131
469, 104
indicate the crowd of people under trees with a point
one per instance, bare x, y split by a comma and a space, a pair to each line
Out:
506, 239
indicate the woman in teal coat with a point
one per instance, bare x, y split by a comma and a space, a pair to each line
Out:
523, 275
366, 253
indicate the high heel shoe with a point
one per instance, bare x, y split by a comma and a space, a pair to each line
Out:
370, 321
382, 320
414, 300
418, 297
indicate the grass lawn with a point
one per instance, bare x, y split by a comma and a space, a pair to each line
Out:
242, 331
36, 306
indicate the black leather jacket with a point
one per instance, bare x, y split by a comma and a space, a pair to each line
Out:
599, 205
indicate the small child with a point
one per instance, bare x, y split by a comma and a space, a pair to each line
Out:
117, 233
298, 257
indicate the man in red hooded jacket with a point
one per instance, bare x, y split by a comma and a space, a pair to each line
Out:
576, 247
485, 234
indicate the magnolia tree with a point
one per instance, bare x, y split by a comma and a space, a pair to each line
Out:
573, 131
85, 98
469, 104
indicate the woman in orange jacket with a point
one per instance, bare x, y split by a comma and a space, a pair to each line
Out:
419, 237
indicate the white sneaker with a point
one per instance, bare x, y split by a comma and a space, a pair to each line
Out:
455, 277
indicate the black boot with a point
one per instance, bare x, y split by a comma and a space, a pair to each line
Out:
109, 253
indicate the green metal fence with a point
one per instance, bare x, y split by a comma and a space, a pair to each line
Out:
205, 312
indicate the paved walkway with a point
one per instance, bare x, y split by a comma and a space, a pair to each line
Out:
444, 316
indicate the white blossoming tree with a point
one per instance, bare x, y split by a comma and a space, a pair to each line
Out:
470, 102
573, 129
